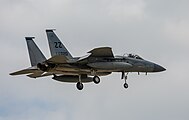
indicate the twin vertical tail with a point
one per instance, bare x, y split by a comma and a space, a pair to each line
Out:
35, 54
56, 46
37, 58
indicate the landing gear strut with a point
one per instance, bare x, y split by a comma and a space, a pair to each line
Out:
124, 76
79, 84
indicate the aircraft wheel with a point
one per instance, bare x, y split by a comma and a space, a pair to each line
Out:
126, 85
79, 86
96, 79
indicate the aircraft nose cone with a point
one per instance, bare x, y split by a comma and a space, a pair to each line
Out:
158, 68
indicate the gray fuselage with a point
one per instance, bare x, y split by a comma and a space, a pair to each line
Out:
104, 66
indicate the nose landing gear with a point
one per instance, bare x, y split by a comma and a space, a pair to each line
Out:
124, 76
125, 85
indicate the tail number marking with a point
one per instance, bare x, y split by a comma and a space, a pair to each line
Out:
57, 44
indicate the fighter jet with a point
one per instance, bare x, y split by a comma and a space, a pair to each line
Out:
98, 62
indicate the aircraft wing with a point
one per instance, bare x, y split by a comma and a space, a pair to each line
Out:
101, 52
98, 52
32, 72
26, 71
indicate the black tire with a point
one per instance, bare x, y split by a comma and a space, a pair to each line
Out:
79, 86
96, 79
126, 85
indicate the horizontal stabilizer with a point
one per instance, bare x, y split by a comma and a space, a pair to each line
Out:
101, 52
25, 71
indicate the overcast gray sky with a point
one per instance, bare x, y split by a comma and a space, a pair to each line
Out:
158, 30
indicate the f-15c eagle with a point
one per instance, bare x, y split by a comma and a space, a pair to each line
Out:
65, 68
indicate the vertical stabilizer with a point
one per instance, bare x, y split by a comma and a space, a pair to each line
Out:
56, 46
36, 56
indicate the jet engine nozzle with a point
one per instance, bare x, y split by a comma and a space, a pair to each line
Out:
42, 67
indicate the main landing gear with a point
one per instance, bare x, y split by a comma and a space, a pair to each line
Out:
79, 84
124, 76
96, 79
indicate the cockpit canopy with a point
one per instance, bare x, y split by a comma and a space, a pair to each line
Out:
134, 56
